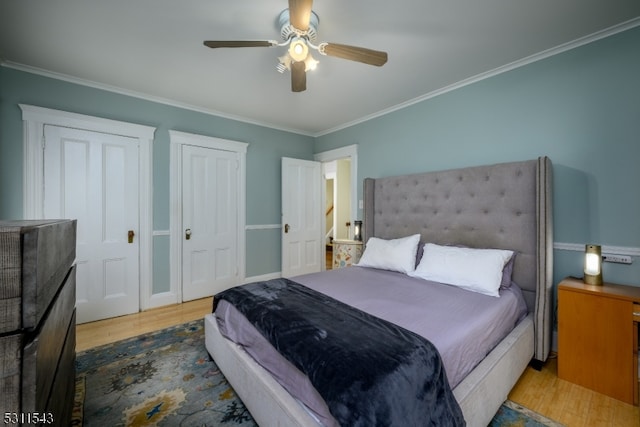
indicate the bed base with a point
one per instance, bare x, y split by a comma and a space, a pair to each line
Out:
480, 394
269, 403
496, 206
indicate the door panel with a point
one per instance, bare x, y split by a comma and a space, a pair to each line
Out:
301, 217
115, 205
115, 277
93, 177
210, 212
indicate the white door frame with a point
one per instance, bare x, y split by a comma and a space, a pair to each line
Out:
35, 118
176, 141
350, 152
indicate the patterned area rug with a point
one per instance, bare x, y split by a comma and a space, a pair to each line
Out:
161, 379
511, 414
168, 379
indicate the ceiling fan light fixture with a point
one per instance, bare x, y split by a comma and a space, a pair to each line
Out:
300, 39
310, 63
284, 63
298, 49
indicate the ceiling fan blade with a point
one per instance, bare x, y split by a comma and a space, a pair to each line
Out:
353, 53
298, 77
300, 13
238, 43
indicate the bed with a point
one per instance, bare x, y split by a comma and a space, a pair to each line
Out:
504, 206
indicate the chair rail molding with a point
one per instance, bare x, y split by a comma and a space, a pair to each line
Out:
579, 247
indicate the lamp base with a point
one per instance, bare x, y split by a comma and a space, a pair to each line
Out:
590, 279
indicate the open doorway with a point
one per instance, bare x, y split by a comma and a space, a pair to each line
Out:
339, 172
329, 220
338, 216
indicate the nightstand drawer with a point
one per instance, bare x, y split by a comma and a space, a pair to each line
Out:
636, 312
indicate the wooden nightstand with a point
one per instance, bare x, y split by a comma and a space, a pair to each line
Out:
598, 337
346, 252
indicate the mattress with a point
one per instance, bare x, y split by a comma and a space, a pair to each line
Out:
464, 326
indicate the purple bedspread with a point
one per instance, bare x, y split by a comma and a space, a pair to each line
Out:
464, 326
369, 371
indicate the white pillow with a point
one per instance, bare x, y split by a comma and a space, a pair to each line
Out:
477, 270
395, 254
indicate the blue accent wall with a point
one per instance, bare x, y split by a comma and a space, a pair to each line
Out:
581, 108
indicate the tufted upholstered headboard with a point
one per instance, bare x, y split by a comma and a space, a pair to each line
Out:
504, 206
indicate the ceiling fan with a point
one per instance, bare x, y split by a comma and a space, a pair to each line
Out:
298, 26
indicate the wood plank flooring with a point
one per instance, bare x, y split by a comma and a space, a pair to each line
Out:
89, 335
570, 404
541, 391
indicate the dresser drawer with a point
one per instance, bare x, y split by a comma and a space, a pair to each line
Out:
636, 312
36, 256
43, 351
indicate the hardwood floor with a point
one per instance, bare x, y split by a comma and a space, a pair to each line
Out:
570, 404
541, 391
89, 335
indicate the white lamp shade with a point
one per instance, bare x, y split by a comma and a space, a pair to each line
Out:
298, 49
593, 265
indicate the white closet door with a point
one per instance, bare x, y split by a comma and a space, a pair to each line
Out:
93, 177
210, 221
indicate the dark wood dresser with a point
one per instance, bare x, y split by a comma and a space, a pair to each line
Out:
37, 321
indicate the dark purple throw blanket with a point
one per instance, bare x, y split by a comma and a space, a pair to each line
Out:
369, 371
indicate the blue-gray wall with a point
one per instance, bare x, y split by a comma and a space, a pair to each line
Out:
266, 147
581, 108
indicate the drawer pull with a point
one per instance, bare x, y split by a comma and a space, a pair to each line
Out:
636, 313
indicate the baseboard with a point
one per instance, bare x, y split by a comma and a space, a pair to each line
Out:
162, 299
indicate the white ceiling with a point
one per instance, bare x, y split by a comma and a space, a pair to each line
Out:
153, 49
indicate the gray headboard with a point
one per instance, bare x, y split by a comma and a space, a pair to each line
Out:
504, 206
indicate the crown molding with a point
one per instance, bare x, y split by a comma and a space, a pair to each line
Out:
474, 79
496, 71
143, 96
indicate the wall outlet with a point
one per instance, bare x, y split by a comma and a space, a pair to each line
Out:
620, 259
